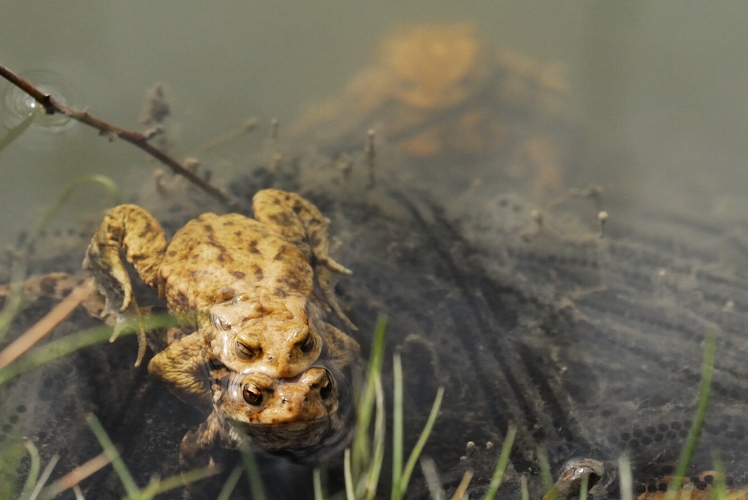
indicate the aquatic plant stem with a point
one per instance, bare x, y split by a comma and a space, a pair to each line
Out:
34, 466
230, 483
52, 106
63, 346
113, 455
317, 480
463, 486
397, 427
44, 477
710, 348
626, 481
498, 474
253, 473
418, 448
360, 447
17, 131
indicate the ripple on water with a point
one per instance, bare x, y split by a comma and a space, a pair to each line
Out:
18, 105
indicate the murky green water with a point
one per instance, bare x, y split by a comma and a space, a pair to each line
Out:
657, 116
660, 84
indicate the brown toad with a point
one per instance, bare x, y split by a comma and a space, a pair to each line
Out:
302, 417
245, 286
443, 95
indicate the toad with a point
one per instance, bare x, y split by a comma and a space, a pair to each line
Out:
442, 95
243, 288
301, 417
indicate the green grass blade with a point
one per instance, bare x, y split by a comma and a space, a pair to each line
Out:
148, 492
17, 131
433, 483
111, 452
230, 483
350, 495
365, 406
418, 448
375, 467
317, 480
710, 348
44, 477
253, 474
720, 488
498, 474
102, 180
524, 491
182, 479
11, 455
545, 474
583, 487
626, 480
64, 346
14, 302
31, 479
397, 426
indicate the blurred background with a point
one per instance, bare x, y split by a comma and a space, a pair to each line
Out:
658, 88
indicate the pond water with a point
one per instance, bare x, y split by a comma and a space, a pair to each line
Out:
637, 108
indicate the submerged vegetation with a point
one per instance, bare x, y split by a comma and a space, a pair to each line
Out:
363, 460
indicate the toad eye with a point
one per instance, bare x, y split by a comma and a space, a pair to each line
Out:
244, 352
308, 344
252, 395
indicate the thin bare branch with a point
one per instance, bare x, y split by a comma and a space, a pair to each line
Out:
75, 476
46, 324
52, 106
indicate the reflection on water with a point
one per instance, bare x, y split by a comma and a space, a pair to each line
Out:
442, 95
18, 105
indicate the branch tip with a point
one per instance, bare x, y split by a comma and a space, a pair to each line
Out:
113, 132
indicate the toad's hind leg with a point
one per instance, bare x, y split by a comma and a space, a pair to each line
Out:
302, 224
133, 229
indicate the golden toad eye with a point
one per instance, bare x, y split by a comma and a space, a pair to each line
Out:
244, 352
308, 344
252, 395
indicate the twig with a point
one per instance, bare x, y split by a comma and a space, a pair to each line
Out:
463, 486
51, 106
75, 476
46, 324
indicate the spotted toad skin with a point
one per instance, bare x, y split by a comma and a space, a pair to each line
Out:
242, 288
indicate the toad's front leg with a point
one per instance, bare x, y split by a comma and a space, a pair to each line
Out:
133, 229
302, 224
